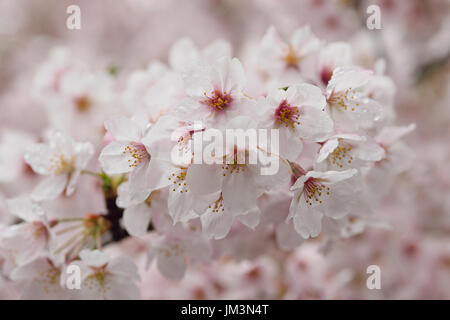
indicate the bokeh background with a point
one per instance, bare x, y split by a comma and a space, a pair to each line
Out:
414, 255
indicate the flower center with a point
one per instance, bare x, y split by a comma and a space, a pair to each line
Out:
83, 103
99, 277
235, 162
325, 75
291, 58
40, 230
343, 100
59, 164
49, 278
95, 224
341, 153
314, 190
178, 180
287, 115
217, 206
154, 196
183, 146
218, 100
137, 153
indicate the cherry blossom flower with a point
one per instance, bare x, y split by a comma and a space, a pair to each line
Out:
349, 105
127, 154
299, 113
62, 160
12, 147
215, 92
41, 279
344, 151
106, 278
217, 218
318, 194
30, 239
398, 158
170, 143
185, 55
332, 56
233, 182
277, 56
153, 92
48, 77
137, 214
173, 251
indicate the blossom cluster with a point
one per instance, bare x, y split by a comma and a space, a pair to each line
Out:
338, 147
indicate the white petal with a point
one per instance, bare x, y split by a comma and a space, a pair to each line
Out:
139, 182
94, 258
217, 50
236, 78
39, 157
180, 206
136, 219
368, 151
123, 129
204, 179
251, 218
315, 124
304, 40
346, 77
305, 94
159, 172
327, 148
299, 183
307, 221
50, 188
331, 177
197, 82
161, 138
84, 152
216, 224
389, 135
183, 54
360, 113
334, 55
239, 191
113, 160
25, 209
73, 179
290, 144
345, 197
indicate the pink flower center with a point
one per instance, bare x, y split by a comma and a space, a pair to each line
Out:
325, 75
287, 115
137, 153
218, 100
